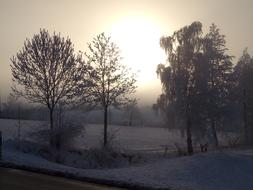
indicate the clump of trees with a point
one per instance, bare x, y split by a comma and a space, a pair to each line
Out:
200, 83
202, 89
47, 71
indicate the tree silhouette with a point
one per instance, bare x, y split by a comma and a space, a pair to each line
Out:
219, 65
130, 108
112, 81
243, 74
197, 81
46, 71
178, 80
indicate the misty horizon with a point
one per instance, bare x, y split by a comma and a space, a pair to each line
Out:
139, 20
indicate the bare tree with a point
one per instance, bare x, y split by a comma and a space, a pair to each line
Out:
112, 81
132, 111
46, 71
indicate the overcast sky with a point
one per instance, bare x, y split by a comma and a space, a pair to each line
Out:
135, 24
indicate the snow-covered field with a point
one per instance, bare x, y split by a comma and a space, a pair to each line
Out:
228, 170
124, 137
133, 138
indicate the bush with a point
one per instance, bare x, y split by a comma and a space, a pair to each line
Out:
105, 158
94, 158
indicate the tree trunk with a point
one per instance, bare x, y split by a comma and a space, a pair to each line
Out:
19, 128
105, 126
189, 137
245, 121
58, 129
51, 115
214, 133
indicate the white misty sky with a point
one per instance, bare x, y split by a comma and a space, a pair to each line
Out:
136, 25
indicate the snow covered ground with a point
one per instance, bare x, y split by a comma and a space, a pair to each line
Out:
230, 170
134, 138
125, 137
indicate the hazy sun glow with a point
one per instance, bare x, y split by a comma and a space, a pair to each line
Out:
138, 39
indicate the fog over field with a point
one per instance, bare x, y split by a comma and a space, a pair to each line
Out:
129, 138
137, 94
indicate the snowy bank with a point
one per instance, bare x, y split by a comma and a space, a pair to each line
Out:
231, 170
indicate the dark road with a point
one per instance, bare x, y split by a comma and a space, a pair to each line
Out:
11, 179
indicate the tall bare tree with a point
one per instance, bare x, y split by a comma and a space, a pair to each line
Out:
112, 81
47, 71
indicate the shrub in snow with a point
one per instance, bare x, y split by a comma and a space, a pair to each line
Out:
181, 150
105, 158
111, 139
27, 146
67, 127
232, 139
94, 158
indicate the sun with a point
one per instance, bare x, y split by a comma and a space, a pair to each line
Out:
138, 39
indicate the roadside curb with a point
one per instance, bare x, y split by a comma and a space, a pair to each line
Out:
99, 181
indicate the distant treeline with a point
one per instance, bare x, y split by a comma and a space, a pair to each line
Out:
11, 109
137, 115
